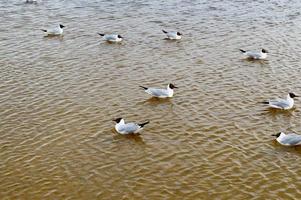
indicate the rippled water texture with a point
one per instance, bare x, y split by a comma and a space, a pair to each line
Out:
213, 140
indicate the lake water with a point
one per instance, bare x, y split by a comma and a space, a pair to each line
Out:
212, 140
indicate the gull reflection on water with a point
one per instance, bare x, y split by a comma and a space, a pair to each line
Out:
136, 138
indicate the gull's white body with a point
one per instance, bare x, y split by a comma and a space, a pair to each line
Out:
172, 35
283, 104
160, 93
258, 55
127, 128
112, 38
290, 139
54, 31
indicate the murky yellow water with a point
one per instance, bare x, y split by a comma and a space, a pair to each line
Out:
211, 141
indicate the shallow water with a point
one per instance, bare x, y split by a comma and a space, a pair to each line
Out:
211, 141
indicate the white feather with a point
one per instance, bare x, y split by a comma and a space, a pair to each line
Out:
283, 104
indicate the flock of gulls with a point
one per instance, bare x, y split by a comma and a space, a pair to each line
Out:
290, 139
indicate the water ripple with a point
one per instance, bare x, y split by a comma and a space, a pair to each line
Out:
58, 96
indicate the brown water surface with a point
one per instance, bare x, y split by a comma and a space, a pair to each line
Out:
211, 141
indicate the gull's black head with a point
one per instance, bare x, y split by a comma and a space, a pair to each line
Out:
264, 51
119, 36
117, 120
62, 26
172, 86
277, 134
178, 33
292, 95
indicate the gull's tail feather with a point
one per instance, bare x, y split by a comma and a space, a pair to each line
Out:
265, 102
143, 124
164, 31
44, 30
143, 87
243, 51
101, 34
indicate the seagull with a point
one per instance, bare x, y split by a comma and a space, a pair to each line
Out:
290, 139
54, 31
160, 93
129, 128
173, 35
111, 37
284, 104
257, 55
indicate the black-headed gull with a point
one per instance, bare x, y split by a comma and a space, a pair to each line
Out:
173, 35
257, 55
160, 93
283, 104
54, 31
128, 128
111, 37
290, 139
